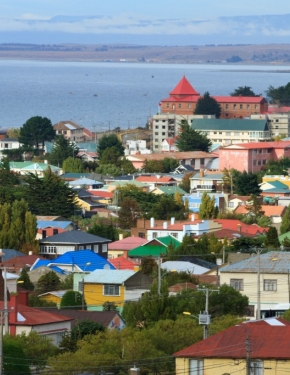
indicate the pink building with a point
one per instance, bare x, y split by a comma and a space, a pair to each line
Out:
252, 157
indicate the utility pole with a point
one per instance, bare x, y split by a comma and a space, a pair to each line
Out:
159, 276
1, 342
258, 312
248, 355
204, 318
5, 302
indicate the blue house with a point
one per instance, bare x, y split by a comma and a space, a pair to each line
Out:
194, 200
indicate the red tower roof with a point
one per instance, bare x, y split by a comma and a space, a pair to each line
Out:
183, 88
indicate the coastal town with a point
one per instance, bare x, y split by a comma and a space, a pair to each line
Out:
163, 249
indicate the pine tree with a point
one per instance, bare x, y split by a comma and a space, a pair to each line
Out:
27, 284
207, 105
190, 139
48, 283
272, 240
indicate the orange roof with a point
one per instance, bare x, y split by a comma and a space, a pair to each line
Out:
253, 145
183, 88
121, 263
101, 193
268, 210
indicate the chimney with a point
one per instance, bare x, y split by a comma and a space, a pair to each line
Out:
23, 298
44, 234
165, 226
13, 309
75, 226
172, 220
121, 236
30, 252
239, 227
192, 217
201, 173
152, 222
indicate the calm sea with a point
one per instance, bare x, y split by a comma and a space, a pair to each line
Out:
99, 95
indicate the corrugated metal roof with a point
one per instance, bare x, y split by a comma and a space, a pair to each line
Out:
271, 262
54, 224
74, 237
109, 276
269, 339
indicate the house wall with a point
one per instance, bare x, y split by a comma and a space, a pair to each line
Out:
216, 366
268, 298
94, 296
51, 298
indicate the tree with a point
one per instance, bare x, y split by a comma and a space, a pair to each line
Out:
272, 240
71, 300
246, 183
185, 182
27, 284
48, 283
111, 155
285, 225
279, 95
190, 139
108, 141
62, 149
255, 208
36, 131
207, 105
72, 165
207, 207
13, 133
49, 195
67, 283
243, 91
110, 306
104, 230
128, 213
15, 360
109, 170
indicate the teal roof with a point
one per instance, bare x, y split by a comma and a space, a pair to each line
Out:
277, 191
211, 176
278, 184
75, 175
229, 124
171, 190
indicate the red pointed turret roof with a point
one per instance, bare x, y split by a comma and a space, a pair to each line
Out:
183, 88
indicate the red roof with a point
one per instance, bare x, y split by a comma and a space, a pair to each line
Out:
101, 193
21, 261
239, 99
183, 88
278, 109
253, 145
121, 263
241, 227
127, 243
268, 210
269, 338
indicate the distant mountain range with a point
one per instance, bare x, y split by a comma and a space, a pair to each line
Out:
98, 29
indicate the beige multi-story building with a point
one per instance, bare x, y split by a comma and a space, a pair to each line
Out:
73, 132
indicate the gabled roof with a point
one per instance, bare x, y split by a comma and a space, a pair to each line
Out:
183, 266
127, 243
240, 99
155, 247
268, 210
121, 263
85, 260
184, 88
161, 179
21, 261
277, 184
74, 237
101, 193
269, 339
85, 181
41, 224
55, 293
271, 262
10, 253
109, 276
170, 190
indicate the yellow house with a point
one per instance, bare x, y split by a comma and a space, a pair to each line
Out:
117, 286
251, 348
54, 296
281, 178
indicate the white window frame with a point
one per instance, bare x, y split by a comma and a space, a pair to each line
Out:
270, 285
237, 284
108, 290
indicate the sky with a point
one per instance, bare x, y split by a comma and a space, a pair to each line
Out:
31, 20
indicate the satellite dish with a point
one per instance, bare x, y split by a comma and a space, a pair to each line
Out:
106, 267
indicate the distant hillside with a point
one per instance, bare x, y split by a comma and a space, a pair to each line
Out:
239, 54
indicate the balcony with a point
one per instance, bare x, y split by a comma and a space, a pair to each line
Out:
205, 187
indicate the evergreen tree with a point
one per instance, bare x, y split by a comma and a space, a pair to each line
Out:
71, 300
104, 230
48, 283
190, 139
207, 105
27, 284
49, 195
15, 361
62, 149
108, 141
243, 91
272, 240
128, 213
285, 225
36, 131
207, 207
247, 183
111, 156
185, 182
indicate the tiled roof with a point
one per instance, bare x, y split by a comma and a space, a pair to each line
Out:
229, 124
282, 109
268, 210
127, 243
21, 261
269, 339
256, 145
226, 233
244, 228
184, 88
240, 99
109, 276
101, 193
271, 262
74, 237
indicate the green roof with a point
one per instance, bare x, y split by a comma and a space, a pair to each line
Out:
278, 184
75, 175
148, 249
171, 190
124, 183
229, 124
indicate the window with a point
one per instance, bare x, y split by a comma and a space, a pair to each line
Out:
96, 248
241, 106
156, 146
227, 106
111, 290
156, 133
167, 105
141, 235
163, 127
235, 106
270, 285
237, 284
156, 126
179, 105
163, 133
236, 134
195, 367
189, 105
104, 248
256, 106
173, 234
231, 204
156, 139
154, 234
248, 106
228, 134
214, 132
80, 286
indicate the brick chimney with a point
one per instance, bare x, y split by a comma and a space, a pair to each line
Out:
201, 173
13, 310
23, 297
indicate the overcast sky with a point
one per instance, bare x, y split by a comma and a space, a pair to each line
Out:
22, 20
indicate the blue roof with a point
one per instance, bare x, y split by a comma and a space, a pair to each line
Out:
80, 259
39, 263
49, 223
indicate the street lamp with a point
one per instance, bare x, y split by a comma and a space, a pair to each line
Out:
83, 286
